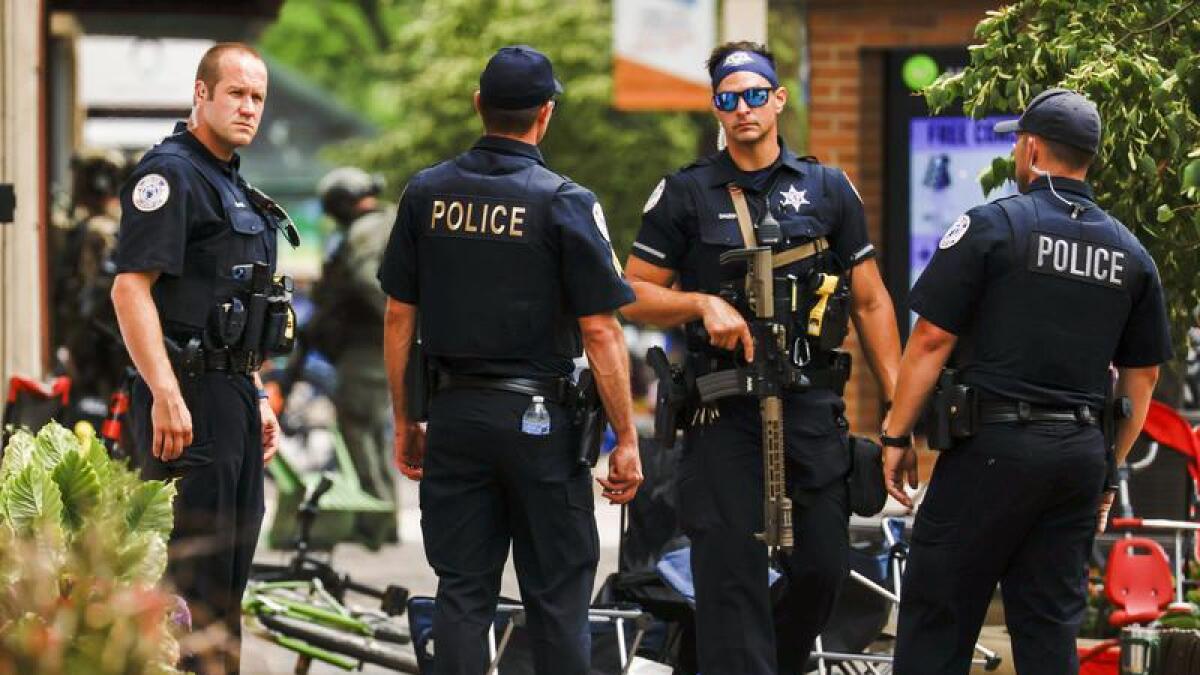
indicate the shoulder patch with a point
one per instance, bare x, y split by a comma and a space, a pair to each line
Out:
656, 195
956, 232
598, 216
151, 192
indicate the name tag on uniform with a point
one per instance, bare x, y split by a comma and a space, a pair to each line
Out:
1077, 260
472, 217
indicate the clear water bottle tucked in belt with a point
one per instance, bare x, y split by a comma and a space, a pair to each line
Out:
536, 420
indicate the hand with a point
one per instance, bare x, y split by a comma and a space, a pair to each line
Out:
172, 425
1106, 503
899, 463
725, 326
410, 449
624, 473
271, 433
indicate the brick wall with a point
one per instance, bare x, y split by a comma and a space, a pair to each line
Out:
846, 117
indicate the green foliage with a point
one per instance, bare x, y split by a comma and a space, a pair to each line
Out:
1140, 63
83, 542
416, 73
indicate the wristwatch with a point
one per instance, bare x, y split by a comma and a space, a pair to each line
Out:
896, 441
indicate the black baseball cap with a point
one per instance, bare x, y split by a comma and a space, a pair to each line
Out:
518, 77
1060, 115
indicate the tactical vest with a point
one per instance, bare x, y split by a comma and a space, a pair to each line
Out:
1055, 311
489, 265
186, 302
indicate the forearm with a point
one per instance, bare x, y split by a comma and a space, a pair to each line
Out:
141, 331
1138, 385
927, 352
663, 307
399, 331
876, 326
608, 357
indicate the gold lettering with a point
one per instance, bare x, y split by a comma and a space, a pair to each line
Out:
439, 210
499, 208
470, 210
451, 221
518, 218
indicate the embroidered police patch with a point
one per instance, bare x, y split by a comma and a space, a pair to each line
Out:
598, 216
151, 192
652, 200
956, 232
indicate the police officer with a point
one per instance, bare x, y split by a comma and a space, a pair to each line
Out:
689, 220
510, 266
347, 328
1032, 297
190, 226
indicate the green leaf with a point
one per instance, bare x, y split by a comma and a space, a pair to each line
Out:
1191, 174
1164, 213
33, 503
80, 490
142, 558
1147, 166
54, 441
17, 454
149, 508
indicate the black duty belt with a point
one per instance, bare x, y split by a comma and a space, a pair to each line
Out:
558, 390
819, 377
997, 412
227, 360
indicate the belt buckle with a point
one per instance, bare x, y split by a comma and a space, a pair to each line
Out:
1024, 411
796, 360
1083, 415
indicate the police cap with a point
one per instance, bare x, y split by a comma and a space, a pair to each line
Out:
518, 77
1059, 115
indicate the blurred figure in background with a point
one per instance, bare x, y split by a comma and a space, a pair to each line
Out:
84, 320
347, 328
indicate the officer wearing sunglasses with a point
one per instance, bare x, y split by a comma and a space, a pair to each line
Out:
689, 221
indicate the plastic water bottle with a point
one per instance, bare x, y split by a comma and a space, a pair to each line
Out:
536, 420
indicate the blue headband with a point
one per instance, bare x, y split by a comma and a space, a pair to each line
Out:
751, 62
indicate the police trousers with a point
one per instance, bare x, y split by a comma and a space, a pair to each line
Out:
487, 486
1014, 505
219, 506
739, 628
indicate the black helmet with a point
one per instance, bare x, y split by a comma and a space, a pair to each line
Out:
343, 187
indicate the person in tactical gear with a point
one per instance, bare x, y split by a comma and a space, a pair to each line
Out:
347, 328
84, 319
199, 310
510, 267
754, 192
1031, 298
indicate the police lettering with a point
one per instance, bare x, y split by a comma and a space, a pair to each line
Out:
1077, 259
479, 217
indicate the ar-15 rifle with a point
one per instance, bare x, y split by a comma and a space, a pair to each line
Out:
765, 378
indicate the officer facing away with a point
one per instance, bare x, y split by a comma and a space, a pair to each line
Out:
347, 328
510, 266
1031, 297
690, 220
194, 237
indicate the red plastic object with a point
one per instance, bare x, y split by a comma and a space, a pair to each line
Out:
1102, 660
60, 387
1137, 581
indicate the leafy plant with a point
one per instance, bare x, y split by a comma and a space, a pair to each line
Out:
83, 546
1140, 63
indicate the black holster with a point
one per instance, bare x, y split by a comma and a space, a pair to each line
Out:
590, 419
419, 383
672, 397
952, 413
188, 360
1115, 409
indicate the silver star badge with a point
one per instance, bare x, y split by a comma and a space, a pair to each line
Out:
794, 198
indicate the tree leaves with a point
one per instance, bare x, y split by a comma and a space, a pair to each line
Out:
1138, 63
149, 508
80, 490
33, 503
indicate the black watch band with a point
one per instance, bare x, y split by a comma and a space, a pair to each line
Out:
896, 441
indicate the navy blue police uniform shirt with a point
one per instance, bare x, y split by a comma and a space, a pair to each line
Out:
689, 221
1043, 306
586, 269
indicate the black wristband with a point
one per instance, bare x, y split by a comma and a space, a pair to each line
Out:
896, 441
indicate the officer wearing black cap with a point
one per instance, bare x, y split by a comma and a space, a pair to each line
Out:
689, 221
199, 310
510, 267
1032, 298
